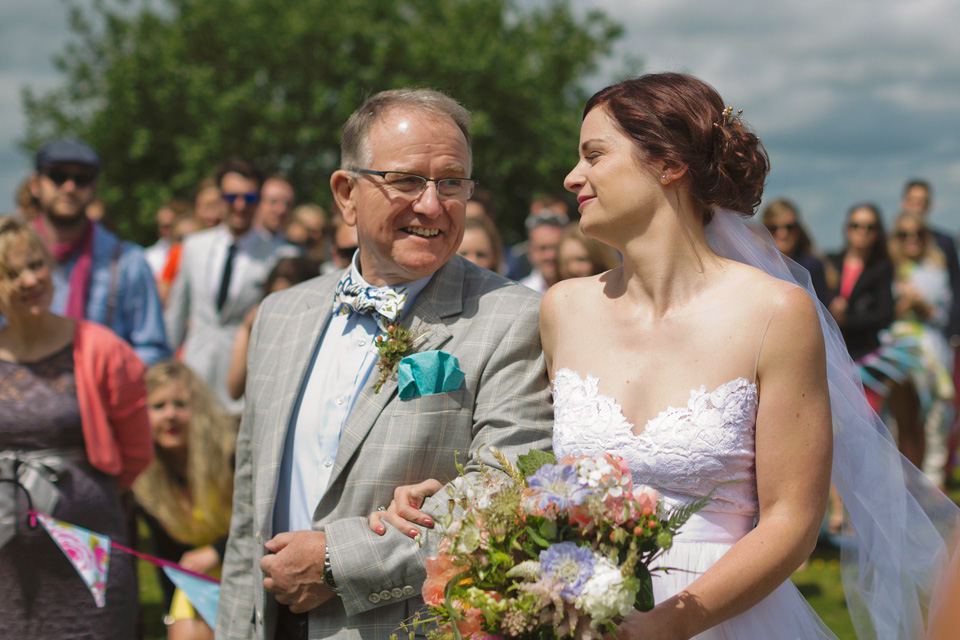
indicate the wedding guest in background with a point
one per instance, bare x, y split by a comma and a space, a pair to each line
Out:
782, 219
308, 230
923, 300
482, 204
344, 246
544, 228
208, 205
97, 276
156, 254
219, 280
918, 199
481, 243
72, 409
276, 203
182, 226
579, 256
25, 205
185, 493
286, 273
96, 211
863, 308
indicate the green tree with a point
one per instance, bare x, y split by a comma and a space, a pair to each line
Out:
167, 89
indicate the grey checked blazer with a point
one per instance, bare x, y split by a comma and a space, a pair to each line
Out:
491, 325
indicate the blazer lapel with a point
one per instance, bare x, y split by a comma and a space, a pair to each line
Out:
442, 298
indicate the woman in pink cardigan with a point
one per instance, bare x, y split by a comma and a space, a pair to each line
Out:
73, 432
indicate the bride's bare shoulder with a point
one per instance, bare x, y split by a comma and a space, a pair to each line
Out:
573, 300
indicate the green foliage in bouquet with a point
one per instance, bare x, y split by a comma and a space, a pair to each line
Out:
546, 550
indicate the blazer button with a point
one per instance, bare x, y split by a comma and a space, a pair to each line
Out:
396, 592
408, 590
259, 539
374, 598
385, 595
259, 618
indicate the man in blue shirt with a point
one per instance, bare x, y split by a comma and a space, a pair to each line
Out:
100, 277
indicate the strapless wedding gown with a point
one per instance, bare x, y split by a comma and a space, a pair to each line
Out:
685, 453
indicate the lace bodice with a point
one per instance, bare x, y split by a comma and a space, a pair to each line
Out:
683, 452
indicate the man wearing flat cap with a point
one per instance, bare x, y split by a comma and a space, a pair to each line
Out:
100, 277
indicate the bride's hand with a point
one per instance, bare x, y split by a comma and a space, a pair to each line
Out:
650, 625
404, 509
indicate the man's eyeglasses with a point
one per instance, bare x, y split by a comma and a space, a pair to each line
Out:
789, 227
249, 198
859, 226
61, 176
413, 184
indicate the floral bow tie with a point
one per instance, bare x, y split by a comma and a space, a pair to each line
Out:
384, 303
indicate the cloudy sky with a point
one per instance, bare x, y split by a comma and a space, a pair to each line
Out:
851, 97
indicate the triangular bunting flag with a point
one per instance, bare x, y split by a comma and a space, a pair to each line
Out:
202, 594
88, 552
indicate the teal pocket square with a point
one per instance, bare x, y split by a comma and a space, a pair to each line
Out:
427, 372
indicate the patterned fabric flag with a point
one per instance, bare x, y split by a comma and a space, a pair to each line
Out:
88, 552
202, 593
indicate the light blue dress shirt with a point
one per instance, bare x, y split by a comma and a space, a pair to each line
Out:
347, 353
137, 315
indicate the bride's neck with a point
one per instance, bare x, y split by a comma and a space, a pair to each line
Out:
668, 264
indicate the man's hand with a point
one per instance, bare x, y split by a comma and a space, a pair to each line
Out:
294, 570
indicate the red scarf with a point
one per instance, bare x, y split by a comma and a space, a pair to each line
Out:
80, 276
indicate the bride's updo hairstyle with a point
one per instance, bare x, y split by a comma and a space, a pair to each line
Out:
682, 121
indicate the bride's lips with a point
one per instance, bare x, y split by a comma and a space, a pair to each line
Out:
581, 200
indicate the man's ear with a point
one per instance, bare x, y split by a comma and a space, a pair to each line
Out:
343, 185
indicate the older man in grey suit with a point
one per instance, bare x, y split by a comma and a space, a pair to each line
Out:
322, 444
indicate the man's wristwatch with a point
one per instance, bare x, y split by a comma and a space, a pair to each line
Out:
328, 574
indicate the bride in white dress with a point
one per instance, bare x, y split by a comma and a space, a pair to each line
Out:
703, 373
707, 374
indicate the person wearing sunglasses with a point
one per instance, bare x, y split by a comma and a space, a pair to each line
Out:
782, 219
220, 277
97, 276
923, 300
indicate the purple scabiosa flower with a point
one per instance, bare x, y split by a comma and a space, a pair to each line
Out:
557, 485
570, 564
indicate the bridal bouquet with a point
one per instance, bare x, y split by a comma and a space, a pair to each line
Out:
549, 550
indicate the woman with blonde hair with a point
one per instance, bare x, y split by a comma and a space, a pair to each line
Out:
186, 493
922, 302
73, 433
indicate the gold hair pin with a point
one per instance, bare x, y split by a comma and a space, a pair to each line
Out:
727, 117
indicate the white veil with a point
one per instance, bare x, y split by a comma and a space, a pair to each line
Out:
902, 522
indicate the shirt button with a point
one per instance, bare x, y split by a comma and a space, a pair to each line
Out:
340, 401
408, 590
396, 592
385, 595
374, 598
361, 342
328, 462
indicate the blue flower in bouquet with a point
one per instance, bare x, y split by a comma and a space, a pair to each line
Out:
558, 486
569, 564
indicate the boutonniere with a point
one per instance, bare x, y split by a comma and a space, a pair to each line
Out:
392, 346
